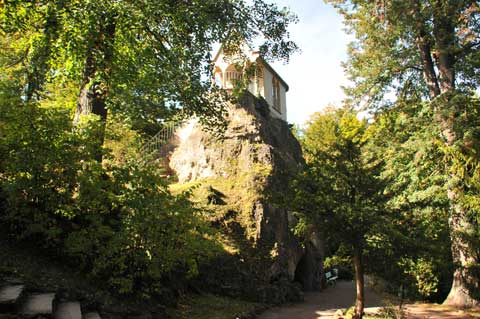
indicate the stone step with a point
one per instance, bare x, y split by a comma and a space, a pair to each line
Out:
68, 310
12, 281
91, 315
10, 294
38, 304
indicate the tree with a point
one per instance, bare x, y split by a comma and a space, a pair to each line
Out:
144, 59
425, 51
339, 191
417, 255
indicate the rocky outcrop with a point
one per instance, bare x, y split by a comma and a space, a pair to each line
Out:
239, 175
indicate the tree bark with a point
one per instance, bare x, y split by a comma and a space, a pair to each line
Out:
463, 253
98, 64
359, 279
425, 49
464, 282
429, 74
444, 33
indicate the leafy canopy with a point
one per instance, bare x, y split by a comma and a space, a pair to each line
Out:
162, 49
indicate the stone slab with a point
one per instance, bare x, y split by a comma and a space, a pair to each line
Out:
68, 310
91, 315
38, 304
9, 294
13, 280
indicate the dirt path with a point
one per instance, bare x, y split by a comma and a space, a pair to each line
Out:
322, 305
435, 311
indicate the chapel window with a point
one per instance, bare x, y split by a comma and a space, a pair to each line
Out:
232, 75
276, 94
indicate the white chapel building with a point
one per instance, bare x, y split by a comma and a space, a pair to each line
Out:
266, 82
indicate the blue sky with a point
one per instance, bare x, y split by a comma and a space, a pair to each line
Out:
315, 75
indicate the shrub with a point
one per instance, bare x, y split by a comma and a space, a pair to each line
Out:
119, 222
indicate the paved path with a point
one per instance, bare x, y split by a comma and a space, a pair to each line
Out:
322, 305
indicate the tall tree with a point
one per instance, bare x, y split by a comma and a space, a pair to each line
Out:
140, 58
424, 50
340, 191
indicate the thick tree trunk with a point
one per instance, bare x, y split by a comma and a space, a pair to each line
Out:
93, 93
464, 282
464, 255
358, 264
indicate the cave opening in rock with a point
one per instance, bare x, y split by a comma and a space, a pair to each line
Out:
305, 272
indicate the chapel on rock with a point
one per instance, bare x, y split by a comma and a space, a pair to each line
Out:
265, 82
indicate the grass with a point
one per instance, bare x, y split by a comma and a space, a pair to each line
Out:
214, 307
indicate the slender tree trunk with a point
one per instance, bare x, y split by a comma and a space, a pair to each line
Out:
424, 46
98, 64
429, 74
359, 279
444, 33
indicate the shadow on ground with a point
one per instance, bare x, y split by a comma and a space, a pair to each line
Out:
322, 305
434, 311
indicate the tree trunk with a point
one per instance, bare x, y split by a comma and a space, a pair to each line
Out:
98, 64
429, 74
444, 33
464, 281
424, 46
358, 264
464, 256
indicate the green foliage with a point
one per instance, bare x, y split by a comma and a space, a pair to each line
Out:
426, 53
338, 191
423, 274
120, 223
393, 40
38, 169
148, 57
409, 141
142, 61
341, 259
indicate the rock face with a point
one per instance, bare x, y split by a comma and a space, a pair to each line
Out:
238, 176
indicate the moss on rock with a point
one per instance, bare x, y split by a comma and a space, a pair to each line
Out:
232, 178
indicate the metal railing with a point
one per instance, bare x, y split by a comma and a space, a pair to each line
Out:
152, 146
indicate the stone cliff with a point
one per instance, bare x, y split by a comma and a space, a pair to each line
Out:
238, 176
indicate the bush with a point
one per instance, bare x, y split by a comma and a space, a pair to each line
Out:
119, 222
